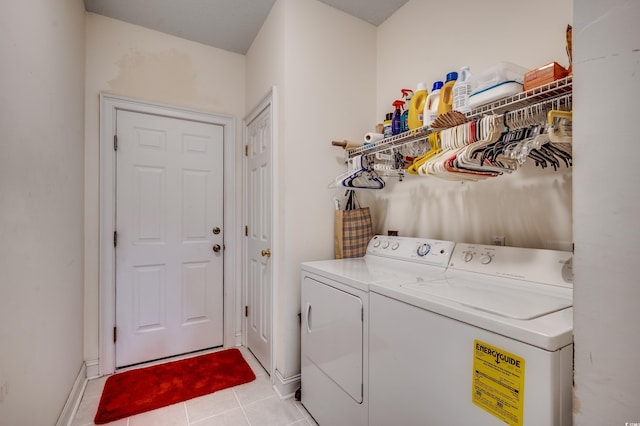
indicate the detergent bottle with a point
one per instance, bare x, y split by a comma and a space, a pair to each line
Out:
462, 90
446, 93
407, 94
396, 120
431, 105
416, 107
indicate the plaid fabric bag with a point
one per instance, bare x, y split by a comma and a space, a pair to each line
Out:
353, 229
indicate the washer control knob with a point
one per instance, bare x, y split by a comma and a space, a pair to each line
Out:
395, 246
376, 243
468, 256
485, 259
385, 244
423, 249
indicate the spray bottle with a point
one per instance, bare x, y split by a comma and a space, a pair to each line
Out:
407, 94
396, 120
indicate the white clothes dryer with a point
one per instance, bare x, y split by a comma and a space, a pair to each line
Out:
488, 343
335, 321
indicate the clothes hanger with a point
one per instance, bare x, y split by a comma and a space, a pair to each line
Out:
491, 130
434, 143
359, 176
560, 123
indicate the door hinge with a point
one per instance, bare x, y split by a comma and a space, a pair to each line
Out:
246, 150
115, 142
115, 238
246, 231
115, 334
246, 311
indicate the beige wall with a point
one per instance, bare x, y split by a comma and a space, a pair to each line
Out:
266, 69
532, 207
131, 61
326, 87
330, 83
41, 207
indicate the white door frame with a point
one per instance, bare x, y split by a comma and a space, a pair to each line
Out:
109, 104
269, 100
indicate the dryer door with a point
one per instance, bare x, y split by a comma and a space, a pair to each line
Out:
332, 339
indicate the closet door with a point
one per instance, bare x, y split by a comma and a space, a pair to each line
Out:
259, 237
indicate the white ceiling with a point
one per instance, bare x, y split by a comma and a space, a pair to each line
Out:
227, 24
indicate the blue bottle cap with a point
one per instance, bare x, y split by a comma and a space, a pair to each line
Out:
452, 76
437, 85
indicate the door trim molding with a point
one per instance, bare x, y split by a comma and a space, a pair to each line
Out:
268, 100
109, 104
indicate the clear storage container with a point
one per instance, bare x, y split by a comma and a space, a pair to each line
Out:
499, 81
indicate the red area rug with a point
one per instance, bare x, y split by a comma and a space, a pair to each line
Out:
145, 389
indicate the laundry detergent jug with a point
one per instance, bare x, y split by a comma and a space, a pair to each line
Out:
462, 90
446, 93
416, 107
430, 112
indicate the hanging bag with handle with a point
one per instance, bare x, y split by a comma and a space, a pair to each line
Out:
353, 229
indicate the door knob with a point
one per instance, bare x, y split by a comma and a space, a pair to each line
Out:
216, 248
266, 253
216, 230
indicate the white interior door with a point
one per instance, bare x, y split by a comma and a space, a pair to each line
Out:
169, 252
259, 264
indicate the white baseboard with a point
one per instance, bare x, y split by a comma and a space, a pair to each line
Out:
93, 369
73, 401
286, 387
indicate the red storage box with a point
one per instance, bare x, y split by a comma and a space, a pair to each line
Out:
543, 75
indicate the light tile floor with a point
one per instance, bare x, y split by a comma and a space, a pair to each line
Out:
251, 404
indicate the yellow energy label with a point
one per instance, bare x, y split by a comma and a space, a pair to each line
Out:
498, 382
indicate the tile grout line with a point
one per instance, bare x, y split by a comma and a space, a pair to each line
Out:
263, 399
304, 413
186, 412
218, 414
244, 413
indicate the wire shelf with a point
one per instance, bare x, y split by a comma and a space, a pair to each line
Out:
383, 144
537, 95
533, 96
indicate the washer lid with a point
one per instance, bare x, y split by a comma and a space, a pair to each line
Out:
502, 297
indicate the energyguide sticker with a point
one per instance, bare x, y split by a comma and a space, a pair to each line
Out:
498, 382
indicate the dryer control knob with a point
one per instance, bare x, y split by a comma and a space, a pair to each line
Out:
376, 244
395, 246
468, 256
423, 249
385, 244
485, 259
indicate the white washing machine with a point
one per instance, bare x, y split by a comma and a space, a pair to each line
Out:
488, 343
335, 321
